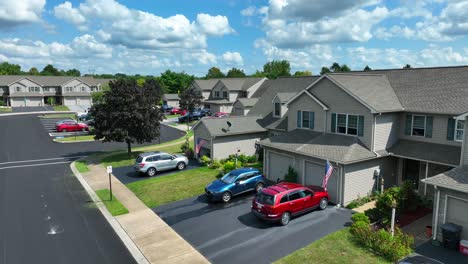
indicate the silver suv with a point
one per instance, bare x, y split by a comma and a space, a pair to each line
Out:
152, 162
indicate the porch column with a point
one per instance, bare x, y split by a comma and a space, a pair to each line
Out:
425, 177
400, 171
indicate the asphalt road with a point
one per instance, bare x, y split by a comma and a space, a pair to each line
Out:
46, 216
229, 233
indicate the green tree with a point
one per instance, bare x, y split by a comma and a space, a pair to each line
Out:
324, 70
302, 73
258, 74
235, 73
345, 68
50, 70
10, 69
367, 68
128, 113
214, 73
175, 82
73, 72
33, 71
275, 69
335, 67
407, 66
189, 100
98, 96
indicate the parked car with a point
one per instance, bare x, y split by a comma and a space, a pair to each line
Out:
62, 121
280, 202
84, 117
90, 122
234, 183
218, 115
178, 111
70, 126
152, 162
79, 115
195, 115
166, 108
204, 111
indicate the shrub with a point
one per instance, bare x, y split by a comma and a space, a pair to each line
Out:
189, 153
185, 147
409, 198
373, 214
360, 217
291, 176
2, 103
362, 232
360, 201
230, 165
205, 160
215, 164
252, 159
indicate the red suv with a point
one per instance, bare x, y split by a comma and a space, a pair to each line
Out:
69, 126
282, 201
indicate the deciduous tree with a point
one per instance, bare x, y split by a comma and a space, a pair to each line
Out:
275, 69
50, 70
302, 73
175, 82
367, 68
10, 69
214, 73
235, 73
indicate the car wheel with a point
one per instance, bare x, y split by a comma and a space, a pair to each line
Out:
259, 187
151, 172
226, 197
84, 129
180, 166
323, 203
285, 217
64, 130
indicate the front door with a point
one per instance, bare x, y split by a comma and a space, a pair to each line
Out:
411, 172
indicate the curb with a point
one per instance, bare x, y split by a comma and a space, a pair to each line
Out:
128, 242
37, 113
71, 142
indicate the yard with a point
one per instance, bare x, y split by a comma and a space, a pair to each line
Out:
76, 139
81, 166
114, 206
337, 247
61, 108
174, 187
5, 109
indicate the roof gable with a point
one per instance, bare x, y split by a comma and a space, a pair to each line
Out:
305, 92
239, 125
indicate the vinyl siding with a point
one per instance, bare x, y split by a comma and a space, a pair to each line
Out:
360, 180
77, 85
442, 210
24, 84
228, 145
439, 131
305, 103
464, 157
386, 131
339, 101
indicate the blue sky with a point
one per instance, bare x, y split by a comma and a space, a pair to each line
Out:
150, 36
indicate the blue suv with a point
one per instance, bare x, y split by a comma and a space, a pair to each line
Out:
234, 183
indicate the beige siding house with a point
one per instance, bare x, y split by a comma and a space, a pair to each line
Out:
171, 100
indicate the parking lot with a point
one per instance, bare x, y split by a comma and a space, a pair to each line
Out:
49, 125
229, 233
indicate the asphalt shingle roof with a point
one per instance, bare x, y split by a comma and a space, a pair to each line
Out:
171, 97
239, 125
239, 84
455, 179
439, 153
338, 148
373, 89
206, 85
285, 97
219, 101
248, 102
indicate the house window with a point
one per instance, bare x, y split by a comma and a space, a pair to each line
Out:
83, 89
277, 112
348, 124
33, 89
216, 94
225, 94
69, 89
418, 127
305, 119
459, 128
18, 89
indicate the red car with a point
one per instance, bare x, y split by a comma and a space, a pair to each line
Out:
69, 126
280, 202
178, 111
218, 115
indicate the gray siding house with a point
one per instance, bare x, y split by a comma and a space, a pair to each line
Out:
171, 100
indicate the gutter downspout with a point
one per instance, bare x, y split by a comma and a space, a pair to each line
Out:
436, 218
326, 122
373, 134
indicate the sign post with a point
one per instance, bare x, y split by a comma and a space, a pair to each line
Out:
109, 171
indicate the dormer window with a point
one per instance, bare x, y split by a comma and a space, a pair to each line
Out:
225, 94
216, 94
277, 109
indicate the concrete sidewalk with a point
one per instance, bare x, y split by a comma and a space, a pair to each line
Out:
158, 242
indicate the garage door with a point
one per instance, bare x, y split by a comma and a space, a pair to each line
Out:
314, 176
278, 165
457, 213
238, 111
85, 101
16, 102
69, 101
36, 101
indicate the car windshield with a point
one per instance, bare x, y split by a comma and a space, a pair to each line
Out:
265, 198
229, 178
139, 159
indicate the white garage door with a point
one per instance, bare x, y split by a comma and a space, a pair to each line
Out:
278, 165
314, 176
34, 101
85, 101
457, 213
15, 102
69, 101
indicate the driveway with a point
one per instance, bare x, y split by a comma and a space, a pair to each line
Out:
78, 108
127, 174
440, 253
228, 233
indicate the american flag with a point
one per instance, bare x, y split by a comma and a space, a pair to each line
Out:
200, 143
328, 173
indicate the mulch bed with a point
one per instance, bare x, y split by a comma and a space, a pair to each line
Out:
409, 217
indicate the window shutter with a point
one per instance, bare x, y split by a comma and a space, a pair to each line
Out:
429, 120
312, 120
299, 119
408, 124
333, 123
360, 126
450, 129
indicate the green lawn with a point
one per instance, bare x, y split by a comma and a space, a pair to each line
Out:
171, 116
337, 247
173, 187
81, 166
5, 109
61, 108
76, 139
72, 116
114, 206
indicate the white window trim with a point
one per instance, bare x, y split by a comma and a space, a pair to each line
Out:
347, 125
274, 109
456, 128
425, 125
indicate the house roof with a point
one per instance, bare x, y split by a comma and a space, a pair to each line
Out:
455, 179
239, 84
279, 124
337, 148
431, 152
437, 90
219, 101
248, 102
171, 97
239, 125
374, 90
206, 85
6, 80
285, 97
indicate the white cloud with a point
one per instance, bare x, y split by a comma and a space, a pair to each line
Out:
13, 13
249, 11
233, 58
214, 25
66, 12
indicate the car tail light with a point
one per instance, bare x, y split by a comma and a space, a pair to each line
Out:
142, 165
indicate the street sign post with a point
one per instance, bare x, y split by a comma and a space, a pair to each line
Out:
109, 171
